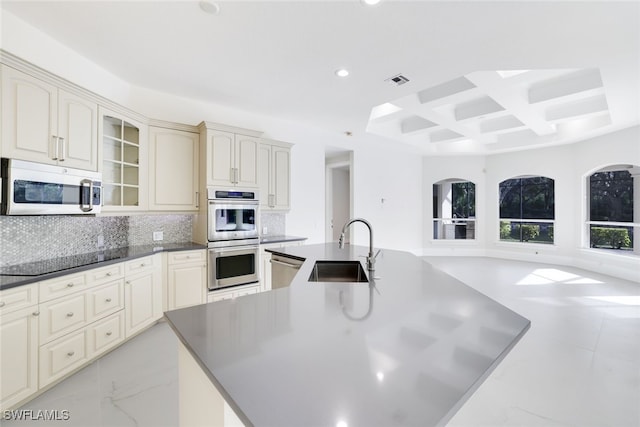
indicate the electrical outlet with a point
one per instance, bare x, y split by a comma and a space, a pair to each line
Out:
100, 241
158, 235
265, 230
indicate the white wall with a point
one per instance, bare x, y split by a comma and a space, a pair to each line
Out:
569, 166
379, 170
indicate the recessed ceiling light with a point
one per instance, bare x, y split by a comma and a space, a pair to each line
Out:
210, 7
371, 2
342, 72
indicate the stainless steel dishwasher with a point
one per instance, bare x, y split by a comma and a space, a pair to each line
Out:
283, 269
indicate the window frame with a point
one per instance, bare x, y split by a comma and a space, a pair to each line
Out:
526, 221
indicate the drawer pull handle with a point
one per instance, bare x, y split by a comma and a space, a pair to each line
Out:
109, 333
71, 353
70, 314
109, 274
142, 265
128, 282
69, 285
36, 313
108, 300
2, 303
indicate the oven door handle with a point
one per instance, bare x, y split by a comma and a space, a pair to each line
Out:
233, 249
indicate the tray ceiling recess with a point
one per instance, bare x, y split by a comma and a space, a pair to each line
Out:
491, 111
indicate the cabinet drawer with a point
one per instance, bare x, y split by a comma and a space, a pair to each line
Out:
19, 297
105, 274
105, 300
106, 333
141, 264
184, 257
61, 356
62, 286
61, 316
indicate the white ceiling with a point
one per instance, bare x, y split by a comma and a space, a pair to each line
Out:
278, 58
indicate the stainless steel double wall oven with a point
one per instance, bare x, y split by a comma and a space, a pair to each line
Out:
233, 234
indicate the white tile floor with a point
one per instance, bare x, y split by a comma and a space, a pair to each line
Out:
579, 364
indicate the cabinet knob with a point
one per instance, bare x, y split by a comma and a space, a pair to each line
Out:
128, 282
69, 285
70, 314
108, 300
142, 265
109, 333
109, 274
2, 303
36, 313
71, 353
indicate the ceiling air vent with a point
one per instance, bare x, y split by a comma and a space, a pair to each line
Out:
397, 80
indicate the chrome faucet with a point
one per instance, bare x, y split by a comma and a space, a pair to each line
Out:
371, 258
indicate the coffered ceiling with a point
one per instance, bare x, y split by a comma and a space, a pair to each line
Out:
481, 76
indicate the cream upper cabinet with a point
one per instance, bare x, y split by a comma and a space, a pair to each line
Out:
231, 158
173, 169
44, 124
274, 167
123, 157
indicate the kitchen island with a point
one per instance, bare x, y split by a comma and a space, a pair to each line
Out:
408, 347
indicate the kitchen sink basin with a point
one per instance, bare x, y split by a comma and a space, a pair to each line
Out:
338, 271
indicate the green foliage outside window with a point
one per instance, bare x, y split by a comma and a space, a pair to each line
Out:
606, 237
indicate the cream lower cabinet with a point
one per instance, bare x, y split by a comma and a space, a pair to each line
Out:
186, 278
52, 328
142, 293
234, 292
81, 317
173, 169
18, 355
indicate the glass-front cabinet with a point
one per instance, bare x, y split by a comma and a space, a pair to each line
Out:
123, 162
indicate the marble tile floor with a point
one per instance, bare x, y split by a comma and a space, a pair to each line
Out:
578, 365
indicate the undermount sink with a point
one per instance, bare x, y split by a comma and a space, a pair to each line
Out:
338, 271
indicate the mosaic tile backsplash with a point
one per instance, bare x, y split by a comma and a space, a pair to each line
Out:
31, 238
275, 223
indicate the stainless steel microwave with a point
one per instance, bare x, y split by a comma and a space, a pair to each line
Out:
30, 188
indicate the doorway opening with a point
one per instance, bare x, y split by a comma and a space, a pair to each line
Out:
338, 193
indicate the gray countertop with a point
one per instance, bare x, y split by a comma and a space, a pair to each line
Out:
408, 348
266, 239
24, 274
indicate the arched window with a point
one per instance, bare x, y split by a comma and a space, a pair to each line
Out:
527, 209
454, 209
614, 213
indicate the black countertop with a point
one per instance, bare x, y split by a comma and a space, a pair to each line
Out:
23, 274
407, 348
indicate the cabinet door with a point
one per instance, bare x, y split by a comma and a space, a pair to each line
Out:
29, 117
18, 356
281, 177
173, 169
264, 175
143, 301
220, 158
78, 128
123, 159
246, 161
187, 285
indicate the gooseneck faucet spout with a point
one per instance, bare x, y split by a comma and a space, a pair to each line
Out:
371, 258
